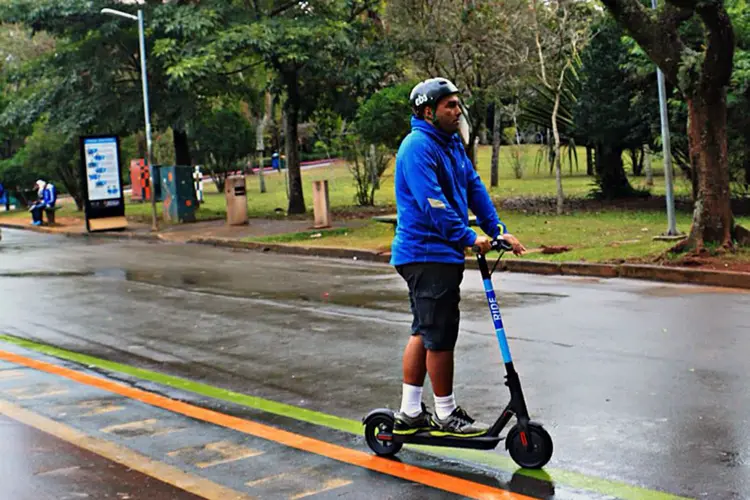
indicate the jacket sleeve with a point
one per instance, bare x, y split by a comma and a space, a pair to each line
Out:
420, 174
481, 204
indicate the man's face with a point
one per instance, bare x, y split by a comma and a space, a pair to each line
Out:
446, 115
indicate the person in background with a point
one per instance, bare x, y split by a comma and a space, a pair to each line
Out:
46, 200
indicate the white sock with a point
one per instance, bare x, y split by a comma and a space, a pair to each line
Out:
444, 406
411, 400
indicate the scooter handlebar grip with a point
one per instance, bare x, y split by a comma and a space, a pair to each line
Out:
501, 244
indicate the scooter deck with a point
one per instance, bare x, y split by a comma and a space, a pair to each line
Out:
476, 443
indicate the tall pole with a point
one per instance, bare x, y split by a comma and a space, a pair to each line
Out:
147, 113
667, 151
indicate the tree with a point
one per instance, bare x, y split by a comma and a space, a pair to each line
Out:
561, 29
702, 74
318, 51
476, 44
367, 165
91, 81
46, 154
604, 112
384, 118
221, 139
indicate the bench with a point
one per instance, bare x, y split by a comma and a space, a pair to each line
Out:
50, 213
392, 219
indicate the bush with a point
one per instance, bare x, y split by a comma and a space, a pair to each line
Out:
385, 118
367, 164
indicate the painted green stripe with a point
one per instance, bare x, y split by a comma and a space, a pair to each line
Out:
294, 412
571, 479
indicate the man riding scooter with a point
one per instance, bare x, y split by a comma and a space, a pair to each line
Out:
436, 185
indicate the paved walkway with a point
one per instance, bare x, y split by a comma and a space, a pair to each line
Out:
184, 232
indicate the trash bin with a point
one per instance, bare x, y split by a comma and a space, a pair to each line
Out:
236, 196
178, 193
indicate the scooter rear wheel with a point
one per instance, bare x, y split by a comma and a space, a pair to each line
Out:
541, 446
378, 425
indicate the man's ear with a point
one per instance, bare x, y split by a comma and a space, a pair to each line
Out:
428, 114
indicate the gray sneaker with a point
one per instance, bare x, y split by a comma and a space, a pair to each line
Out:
405, 425
458, 424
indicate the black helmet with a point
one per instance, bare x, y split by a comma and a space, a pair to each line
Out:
429, 93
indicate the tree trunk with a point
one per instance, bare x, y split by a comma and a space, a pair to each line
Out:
589, 161
181, 147
647, 162
291, 108
558, 163
470, 149
707, 131
611, 177
496, 125
70, 179
259, 149
637, 162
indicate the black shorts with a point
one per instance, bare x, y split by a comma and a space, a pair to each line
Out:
434, 294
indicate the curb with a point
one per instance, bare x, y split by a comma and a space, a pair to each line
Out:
365, 255
669, 274
727, 279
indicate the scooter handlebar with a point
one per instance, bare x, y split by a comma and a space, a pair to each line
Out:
497, 244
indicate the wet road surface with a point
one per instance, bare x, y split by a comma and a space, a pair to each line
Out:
639, 384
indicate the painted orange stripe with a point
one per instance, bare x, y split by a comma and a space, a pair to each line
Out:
408, 472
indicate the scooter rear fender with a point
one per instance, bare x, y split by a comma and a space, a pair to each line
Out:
378, 411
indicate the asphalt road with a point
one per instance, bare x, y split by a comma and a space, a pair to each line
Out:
639, 383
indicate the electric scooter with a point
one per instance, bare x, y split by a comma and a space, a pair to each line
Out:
528, 443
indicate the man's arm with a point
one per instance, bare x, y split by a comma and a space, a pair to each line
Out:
420, 175
481, 204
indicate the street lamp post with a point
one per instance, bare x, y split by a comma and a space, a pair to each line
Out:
666, 147
146, 112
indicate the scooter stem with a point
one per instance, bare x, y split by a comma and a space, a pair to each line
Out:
517, 404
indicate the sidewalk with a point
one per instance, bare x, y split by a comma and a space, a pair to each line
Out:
218, 233
217, 230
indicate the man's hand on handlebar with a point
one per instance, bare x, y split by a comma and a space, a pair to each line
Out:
507, 242
518, 248
483, 244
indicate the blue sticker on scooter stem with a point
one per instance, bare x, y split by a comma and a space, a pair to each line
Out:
498, 321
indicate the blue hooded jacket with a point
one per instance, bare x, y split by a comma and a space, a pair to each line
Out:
436, 185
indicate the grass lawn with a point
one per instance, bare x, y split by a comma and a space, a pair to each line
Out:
605, 237
535, 182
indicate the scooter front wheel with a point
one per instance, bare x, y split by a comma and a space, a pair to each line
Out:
379, 435
535, 456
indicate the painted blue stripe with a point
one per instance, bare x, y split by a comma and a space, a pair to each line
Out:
487, 285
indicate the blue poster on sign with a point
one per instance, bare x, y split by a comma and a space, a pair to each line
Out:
102, 168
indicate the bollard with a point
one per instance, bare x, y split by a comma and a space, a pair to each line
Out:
321, 205
198, 179
236, 196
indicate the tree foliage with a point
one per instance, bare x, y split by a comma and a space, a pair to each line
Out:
482, 46
321, 53
702, 71
221, 139
607, 115
384, 118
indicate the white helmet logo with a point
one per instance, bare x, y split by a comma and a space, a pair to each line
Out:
421, 99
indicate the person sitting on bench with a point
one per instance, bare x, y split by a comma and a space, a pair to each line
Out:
46, 201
